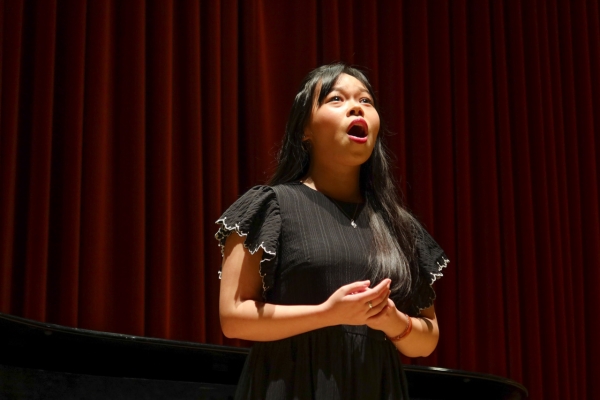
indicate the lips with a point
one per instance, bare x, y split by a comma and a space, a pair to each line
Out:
358, 130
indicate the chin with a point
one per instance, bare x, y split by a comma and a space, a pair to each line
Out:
359, 160
363, 155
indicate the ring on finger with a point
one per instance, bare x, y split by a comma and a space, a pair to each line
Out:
370, 305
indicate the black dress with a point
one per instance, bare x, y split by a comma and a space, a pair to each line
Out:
310, 250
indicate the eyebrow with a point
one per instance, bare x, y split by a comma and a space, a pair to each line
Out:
341, 88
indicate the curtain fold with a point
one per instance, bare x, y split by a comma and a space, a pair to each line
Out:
127, 128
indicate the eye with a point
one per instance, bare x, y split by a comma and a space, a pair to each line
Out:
335, 98
366, 100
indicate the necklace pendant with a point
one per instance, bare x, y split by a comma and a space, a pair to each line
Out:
353, 223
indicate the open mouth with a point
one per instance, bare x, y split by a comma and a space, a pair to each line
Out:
358, 131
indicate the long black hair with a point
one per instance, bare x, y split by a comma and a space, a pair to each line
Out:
393, 228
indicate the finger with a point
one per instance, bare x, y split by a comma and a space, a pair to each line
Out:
370, 295
374, 314
384, 282
354, 287
381, 304
382, 298
378, 310
383, 286
378, 303
381, 289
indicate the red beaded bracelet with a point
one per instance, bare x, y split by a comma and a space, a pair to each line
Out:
405, 333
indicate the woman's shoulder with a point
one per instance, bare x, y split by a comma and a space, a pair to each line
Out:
261, 199
287, 188
294, 186
255, 214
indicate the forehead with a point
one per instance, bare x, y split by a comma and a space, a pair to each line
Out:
345, 82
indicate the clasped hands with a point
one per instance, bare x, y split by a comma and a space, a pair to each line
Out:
358, 304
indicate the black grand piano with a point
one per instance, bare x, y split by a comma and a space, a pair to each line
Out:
52, 362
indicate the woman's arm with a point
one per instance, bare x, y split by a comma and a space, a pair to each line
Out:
245, 315
422, 339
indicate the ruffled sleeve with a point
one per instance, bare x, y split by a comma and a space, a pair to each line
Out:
431, 259
255, 216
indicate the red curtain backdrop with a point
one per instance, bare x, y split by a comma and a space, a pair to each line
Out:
127, 127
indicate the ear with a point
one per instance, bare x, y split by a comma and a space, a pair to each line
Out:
306, 141
306, 135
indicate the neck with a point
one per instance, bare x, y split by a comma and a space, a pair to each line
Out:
338, 183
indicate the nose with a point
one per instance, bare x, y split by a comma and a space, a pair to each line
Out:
356, 110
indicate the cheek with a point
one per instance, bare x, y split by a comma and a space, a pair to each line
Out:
325, 122
375, 125
322, 135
